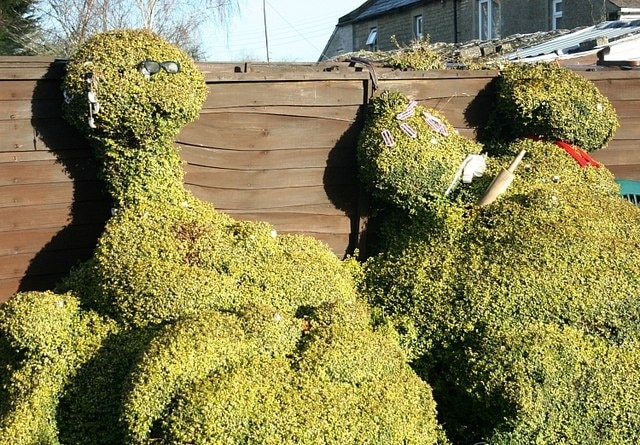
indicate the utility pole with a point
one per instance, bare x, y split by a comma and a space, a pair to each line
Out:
266, 35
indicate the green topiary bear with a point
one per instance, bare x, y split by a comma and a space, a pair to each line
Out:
522, 314
187, 326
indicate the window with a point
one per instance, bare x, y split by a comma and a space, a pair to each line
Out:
488, 19
417, 26
372, 40
556, 14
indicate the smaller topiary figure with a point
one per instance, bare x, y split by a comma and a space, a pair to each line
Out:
410, 155
522, 314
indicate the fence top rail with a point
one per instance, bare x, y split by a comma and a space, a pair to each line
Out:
40, 67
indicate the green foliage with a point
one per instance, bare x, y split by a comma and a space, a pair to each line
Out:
46, 325
522, 314
138, 115
344, 384
556, 248
561, 386
256, 375
553, 102
158, 263
92, 399
133, 108
17, 23
182, 353
546, 165
419, 55
413, 171
194, 348
187, 326
53, 338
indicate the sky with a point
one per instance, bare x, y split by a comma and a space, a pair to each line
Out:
297, 30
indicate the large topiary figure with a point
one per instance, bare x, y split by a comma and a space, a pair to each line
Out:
187, 326
523, 314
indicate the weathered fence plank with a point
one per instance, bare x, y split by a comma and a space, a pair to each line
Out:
266, 159
288, 93
247, 131
267, 179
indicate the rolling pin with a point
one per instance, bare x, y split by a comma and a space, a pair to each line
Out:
501, 182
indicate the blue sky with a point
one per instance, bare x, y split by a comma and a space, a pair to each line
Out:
297, 30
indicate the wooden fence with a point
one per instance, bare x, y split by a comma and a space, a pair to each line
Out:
273, 142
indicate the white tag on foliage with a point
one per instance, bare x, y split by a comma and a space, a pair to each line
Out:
473, 166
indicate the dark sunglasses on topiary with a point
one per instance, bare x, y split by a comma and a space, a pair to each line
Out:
152, 67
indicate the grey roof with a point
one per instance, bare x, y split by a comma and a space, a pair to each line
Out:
568, 43
355, 13
383, 6
626, 3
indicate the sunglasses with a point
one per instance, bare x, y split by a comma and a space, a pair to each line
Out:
150, 67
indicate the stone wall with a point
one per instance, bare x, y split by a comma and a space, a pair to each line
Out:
583, 13
438, 21
517, 17
341, 42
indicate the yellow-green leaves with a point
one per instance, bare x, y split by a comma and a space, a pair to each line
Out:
409, 155
553, 102
137, 117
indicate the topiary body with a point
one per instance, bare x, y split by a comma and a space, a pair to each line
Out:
199, 328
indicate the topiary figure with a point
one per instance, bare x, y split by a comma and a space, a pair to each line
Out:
521, 314
198, 328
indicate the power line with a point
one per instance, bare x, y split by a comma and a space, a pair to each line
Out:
292, 27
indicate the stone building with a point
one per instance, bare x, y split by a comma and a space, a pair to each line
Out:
384, 24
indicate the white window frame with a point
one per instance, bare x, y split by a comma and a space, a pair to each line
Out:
488, 22
556, 13
372, 40
417, 26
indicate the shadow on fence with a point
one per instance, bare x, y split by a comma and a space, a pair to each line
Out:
89, 208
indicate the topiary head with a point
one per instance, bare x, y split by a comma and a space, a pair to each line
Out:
409, 155
553, 102
130, 93
145, 87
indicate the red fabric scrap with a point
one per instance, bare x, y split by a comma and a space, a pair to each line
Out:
577, 153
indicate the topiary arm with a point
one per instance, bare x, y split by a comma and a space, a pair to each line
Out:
194, 348
54, 337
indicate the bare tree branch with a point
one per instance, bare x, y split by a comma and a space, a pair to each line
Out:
67, 23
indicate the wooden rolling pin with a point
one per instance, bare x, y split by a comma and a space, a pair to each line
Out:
501, 182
